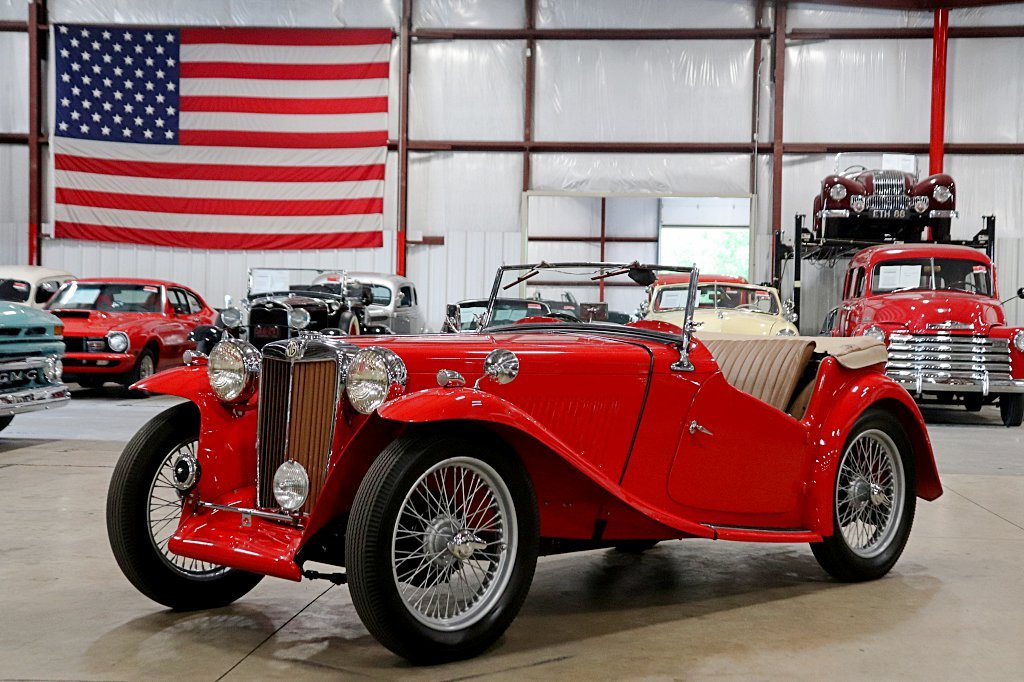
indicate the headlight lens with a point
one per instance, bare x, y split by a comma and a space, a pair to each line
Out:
1018, 341
291, 485
837, 192
921, 204
298, 318
858, 202
233, 368
375, 376
118, 341
231, 318
53, 370
942, 193
786, 331
876, 332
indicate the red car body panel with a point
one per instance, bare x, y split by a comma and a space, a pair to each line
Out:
166, 332
598, 421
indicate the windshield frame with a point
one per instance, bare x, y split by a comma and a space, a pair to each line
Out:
772, 292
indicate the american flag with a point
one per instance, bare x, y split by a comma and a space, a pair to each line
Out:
220, 138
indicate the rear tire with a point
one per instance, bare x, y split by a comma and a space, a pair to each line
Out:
1011, 409
411, 538
873, 501
137, 493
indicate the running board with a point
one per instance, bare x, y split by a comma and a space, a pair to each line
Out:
749, 534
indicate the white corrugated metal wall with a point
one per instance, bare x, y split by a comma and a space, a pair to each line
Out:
608, 91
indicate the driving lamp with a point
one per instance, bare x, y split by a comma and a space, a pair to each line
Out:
117, 341
921, 204
233, 369
1018, 341
291, 485
858, 202
231, 318
298, 318
876, 332
837, 192
942, 194
375, 375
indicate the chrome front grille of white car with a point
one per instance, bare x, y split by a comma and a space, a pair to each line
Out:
943, 358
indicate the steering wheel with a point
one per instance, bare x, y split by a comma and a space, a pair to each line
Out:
855, 168
973, 287
563, 316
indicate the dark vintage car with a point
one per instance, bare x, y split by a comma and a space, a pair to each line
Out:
466, 316
883, 204
433, 470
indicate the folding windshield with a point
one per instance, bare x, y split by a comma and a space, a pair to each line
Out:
113, 297
719, 296
934, 274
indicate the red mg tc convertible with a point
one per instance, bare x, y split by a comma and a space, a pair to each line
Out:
431, 471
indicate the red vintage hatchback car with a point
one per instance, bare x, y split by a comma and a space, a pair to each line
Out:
433, 470
937, 307
123, 330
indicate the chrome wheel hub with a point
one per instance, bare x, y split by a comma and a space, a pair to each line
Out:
464, 544
870, 493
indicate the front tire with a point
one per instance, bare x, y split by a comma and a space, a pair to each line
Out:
143, 509
873, 501
441, 546
1011, 409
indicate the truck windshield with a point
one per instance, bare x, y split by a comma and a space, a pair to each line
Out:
935, 274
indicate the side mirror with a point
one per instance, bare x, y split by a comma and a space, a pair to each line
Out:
1020, 292
501, 366
453, 316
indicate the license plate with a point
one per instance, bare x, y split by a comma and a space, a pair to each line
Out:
888, 213
265, 331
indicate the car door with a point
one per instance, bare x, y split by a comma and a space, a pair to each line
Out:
181, 321
404, 308
853, 291
740, 461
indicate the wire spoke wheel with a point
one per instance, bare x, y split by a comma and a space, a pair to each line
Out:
869, 493
163, 513
452, 543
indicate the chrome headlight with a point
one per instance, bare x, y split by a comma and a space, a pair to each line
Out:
858, 202
876, 332
785, 331
291, 485
921, 203
1018, 341
53, 369
942, 194
375, 376
231, 318
233, 368
837, 192
298, 318
117, 341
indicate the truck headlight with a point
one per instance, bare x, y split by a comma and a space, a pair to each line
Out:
1018, 340
53, 369
876, 332
291, 485
942, 194
298, 318
233, 368
858, 202
921, 203
117, 341
837, 192
375, 376
231, 318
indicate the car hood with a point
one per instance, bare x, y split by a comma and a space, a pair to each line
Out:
943, 310
97, 322
18, 315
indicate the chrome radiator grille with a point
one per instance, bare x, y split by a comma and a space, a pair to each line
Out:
948, 359
296, 421
889, 191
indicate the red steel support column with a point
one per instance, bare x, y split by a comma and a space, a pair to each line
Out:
940, 45
35, 164
405, 60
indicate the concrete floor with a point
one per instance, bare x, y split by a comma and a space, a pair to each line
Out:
951, 609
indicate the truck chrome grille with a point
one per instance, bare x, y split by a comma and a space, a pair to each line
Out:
295, 421
948, 359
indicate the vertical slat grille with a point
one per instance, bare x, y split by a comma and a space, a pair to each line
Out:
890, 192
296, 421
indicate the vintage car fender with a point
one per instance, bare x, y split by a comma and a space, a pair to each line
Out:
456, 404
842, 410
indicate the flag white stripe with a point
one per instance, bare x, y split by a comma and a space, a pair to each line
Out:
318, 89
285, 123
218, 224
238, 156
286, 54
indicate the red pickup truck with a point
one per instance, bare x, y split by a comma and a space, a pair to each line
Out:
937, 309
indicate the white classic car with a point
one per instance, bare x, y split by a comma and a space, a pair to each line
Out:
725, 304
31, 285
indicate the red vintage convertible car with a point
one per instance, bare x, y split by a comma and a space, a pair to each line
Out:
435, 469
123, 330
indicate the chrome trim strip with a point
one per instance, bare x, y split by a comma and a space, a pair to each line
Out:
272, 516
944, 214
33, 399
834, 213
27, 363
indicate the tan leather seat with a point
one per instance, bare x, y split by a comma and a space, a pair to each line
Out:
766, 368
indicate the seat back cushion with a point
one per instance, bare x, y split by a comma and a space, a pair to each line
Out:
766, 368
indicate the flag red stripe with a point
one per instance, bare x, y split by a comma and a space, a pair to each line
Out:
261, 105
218, 240
298, 72
235, 138
284, 36
191, 205
222, 172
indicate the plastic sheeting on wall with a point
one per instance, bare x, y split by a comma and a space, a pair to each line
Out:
644, 14
680, 90
997, 15
14, 82
870, 90
982, 103
453, 82
464, 191
13, 10
468, 14
561, 216
988, 185
313, 13
804, 15
658, 174
13, 203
